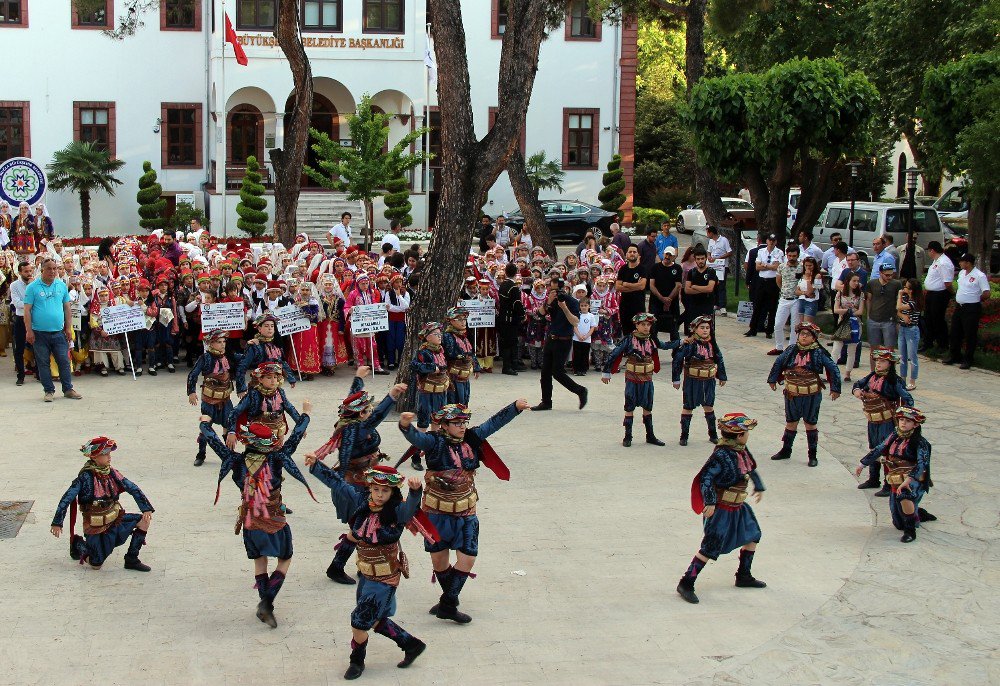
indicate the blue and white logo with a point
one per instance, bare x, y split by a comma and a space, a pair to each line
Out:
21, 180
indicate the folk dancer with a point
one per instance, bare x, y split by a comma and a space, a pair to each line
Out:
798, 366
430, 367
262, 348
701, 361
462, 362
216, 388
265, 402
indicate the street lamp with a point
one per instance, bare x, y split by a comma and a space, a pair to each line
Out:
854, 180
908, 269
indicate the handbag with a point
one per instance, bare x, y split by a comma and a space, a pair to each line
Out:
843, 330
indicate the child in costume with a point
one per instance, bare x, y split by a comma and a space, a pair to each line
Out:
257, 472
265, 402
106, 525
642, 360
536, 322
718, 494
377, 515
430, 367
215, 389
357, 442
906, 457
262, 348
881, 392
462, 362
453, 455
701, 362
798, 366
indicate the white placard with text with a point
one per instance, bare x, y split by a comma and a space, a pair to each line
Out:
225, 316
369, 319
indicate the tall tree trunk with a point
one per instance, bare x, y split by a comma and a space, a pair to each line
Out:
982, 227
469, 166
817, 190
370, 226
929, 172
778, 185
288, 161
85, 212
527, 200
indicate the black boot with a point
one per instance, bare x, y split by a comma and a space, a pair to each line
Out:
744, 579
444, 580
627, 423
199, 459
713, 435
787, 440
357, 665
411, 647
265, 612
132, 560
812, 441
77, 546
411, 651
686, 590
685, 428
448, 607
883, 492
925, 516
335, 571
647, 420
909, 528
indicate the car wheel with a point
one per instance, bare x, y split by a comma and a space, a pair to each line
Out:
680, 225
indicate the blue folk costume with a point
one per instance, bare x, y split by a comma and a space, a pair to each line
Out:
701, 363
381, 561
642, 360
95, 492
216, 388
905, 454
357, 443
723, 483
881, 394
266, 350
799, 368
462, 361
430, 366
266, 407
450, 496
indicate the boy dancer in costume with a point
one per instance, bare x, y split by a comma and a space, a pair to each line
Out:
642, 360
262, 348
799, 366
106, 526
430, 367
265, 402
257, 472
377, 514
453, 455
906, 457
701, 361
881, 392
357, 441
718, 494
215, 389
462, 362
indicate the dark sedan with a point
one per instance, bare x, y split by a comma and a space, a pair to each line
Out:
570, 219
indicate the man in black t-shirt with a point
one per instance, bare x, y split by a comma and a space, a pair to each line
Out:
631, 284
699, 288
665, 286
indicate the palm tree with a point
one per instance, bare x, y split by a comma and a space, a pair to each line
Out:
83, 168
544, 174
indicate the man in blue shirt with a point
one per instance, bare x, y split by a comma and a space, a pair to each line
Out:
881, 255
664, 239
48, 328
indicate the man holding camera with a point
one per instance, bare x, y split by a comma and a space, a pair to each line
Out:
564, 314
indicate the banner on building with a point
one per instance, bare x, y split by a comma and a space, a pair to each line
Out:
369, 319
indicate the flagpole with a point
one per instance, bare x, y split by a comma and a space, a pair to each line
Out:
224, 156
427, 136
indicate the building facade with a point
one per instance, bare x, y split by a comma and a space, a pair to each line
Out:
174, 95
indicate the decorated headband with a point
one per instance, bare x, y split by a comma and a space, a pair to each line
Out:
810, 327
355, 404
736, 423
217, 335
384, 475
264, 318
267, 368
910, 413
98, 446
453, 412
456, 313
883, 353
259, 436
698, 321
644, 317
429, 328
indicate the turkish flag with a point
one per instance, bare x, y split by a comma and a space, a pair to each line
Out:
241, 57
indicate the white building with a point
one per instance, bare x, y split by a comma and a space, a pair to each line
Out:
172, 94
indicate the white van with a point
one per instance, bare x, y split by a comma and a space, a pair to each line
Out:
873, 219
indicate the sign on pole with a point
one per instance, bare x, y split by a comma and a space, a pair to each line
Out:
118, 319
291, 320
482, 313
369, 319
76, 311
225, 316
744, 312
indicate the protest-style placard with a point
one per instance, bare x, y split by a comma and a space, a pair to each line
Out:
744, 312
291, 320
225, 316
369, 319
118, 319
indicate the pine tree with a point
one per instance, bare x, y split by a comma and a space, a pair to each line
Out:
611, 196
253, 218
397, 201
151, 205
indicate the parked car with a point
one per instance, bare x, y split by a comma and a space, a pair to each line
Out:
793, 206
956, 235
693, 218
917, 200
742, 221
873, 219
570, 219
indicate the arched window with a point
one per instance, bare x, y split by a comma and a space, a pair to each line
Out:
901, 176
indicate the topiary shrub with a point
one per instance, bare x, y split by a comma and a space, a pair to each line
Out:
151, 205
253, 218
397, 201
611, 195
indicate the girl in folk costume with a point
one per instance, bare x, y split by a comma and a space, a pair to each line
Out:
642, 360
701, 361
357, 442
106, 525
881, 392
257, 472
364, 344
719, 494
906, 457
333, 352
262, 348
23, 235
453, 456
398, 302
161, 336
79, 353
604, 302
265, 403
305, 358
377, 515
215, 389
106, 350
486, 337
799, 367
536, 321
42, 227
462, 362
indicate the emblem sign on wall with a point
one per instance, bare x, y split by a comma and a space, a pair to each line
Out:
21, 180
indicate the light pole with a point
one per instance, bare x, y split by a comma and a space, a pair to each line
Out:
908, 269
854, 180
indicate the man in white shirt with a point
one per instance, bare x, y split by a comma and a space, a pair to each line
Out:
937, 293
973, 290
26, 272
765, 305
392, 236
807, 248
829, 256
341, 231
719, 251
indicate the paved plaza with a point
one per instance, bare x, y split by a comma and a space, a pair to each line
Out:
579, 553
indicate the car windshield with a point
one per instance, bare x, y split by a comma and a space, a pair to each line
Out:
793, 201
952, 201
737, 205
925, 220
